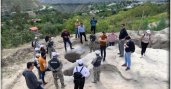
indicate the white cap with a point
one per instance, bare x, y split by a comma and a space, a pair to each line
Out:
97, 52
37, 54
36, 49
79, 61
55, 54
41, 46
52, 37
35, 37
148, 31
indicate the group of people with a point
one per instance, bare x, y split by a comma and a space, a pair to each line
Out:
80, 71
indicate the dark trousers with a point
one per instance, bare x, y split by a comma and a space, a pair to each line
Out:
79, 84
144, 47
39, 72
39, 87
103, 51
111, 43
65, 43
43, 76
82, 34
93, 28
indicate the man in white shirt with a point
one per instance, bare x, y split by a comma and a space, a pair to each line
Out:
81, 30
79, 79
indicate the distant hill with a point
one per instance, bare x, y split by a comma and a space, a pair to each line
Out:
8, 6
90, 1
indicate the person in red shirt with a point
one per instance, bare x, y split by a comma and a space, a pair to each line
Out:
103, 42
66, 38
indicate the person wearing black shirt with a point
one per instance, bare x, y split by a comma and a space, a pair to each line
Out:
65, 35
122, 35
128, 47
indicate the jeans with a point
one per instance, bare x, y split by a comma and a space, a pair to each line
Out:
67, 41
77, 33
121, 47
103, 50
82, 34
43, 76
144, 47
128, 59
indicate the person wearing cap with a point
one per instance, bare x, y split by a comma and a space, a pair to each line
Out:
79, 84
50, 48
43, 66
93, 23
55, 65
96, 66
77, 23
123, 33
66, 39
81, 30
35, 43
103, 43
145, 40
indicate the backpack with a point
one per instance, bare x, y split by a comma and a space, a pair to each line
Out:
54, 64
33, 43
93, 37
98, 61
78, 75
50, 44
132, 46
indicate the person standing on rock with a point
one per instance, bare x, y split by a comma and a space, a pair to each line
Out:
96, 66
129, 48
145, 40
31, 79
36, 64
47, 38
42, 50
43, 66
81, 30
92, 43
77, 24
112, 38
35, 43
80, 73
56, 67
122, 35
103, 43
66, 38
93, 22
50, 47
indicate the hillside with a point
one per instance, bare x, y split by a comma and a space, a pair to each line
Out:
8, 6
90, 1
150, 72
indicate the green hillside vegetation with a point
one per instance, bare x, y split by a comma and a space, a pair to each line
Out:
15, 27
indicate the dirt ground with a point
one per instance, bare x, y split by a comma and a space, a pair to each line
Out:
150, 72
